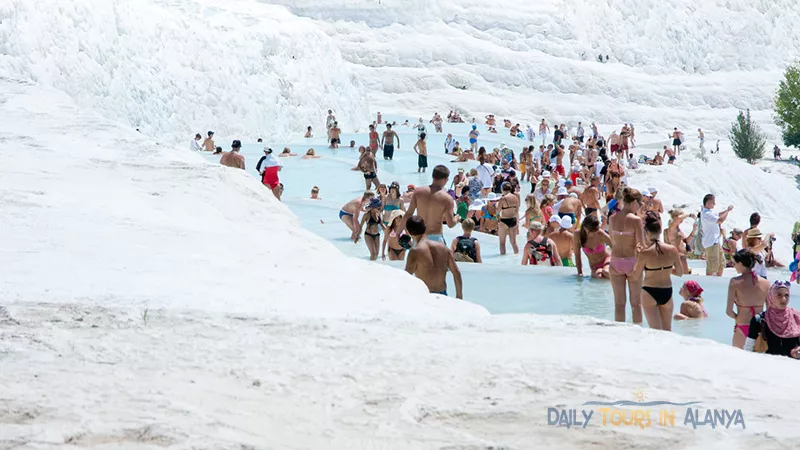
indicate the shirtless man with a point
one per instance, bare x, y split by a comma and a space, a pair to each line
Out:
429, 260
624, 136
421, 148
233, 158
544, 130
591, 198
369, 167
571, 207
670, 154
654, 204
329, 122
308, 134
614, 142
564, 241
387, 142
350, 212
208, 143
676, 141
380, 118
435, 205
334, 134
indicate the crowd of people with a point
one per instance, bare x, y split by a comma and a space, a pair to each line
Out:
580, 202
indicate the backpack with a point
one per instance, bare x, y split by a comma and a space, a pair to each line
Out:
465, 249
541, 251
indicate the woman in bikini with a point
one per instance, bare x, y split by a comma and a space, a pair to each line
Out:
391, 238
658, 261
509, 216
748, 292
675, 237
533, 213
595, 244
392, 202
626, 231
374, 139
372, 235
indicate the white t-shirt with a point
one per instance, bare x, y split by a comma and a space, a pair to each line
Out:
579, 133
196, 146
537, 156
450, 145
598, 166
711, 234
761, 267
485, 174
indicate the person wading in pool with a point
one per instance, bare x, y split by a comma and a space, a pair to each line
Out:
369, 167
429, 260
387, 142
435, 205
351, 210
627, 233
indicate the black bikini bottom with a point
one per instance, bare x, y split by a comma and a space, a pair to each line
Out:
662, 296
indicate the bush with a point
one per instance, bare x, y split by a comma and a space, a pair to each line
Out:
747, 140
787, 106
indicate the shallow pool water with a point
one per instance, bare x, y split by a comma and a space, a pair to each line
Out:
501, 284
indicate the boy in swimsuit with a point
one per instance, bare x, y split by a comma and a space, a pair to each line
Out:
564, 241
334, 132
369, 167
208, 143
429, 261
422, 151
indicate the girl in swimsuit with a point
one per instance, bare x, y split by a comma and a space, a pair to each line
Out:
748, 292
392, 202
595, 244
372, 235
391, 238
627, 234
509, 216
658, 261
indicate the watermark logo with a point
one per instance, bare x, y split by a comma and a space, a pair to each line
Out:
643, 413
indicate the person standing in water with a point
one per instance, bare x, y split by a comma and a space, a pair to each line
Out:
564, 241
712, 237
421, 148
268, 167
747, 292
331, 119
208, 143
595, 243
435, 205
387, 142
352, 210
658, 261
626, 230
374, 140
473, 138
233, 158
544, 130
692, 307
369, 167
509, 217
374, 223
195, 146
779, 325
430, 260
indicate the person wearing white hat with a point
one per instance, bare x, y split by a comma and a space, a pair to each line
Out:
553, 225
489, 214
569, 206
564, 240
654, 204
544, 187
539, 249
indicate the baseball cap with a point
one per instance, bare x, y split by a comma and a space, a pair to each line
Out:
267, 150
236, 143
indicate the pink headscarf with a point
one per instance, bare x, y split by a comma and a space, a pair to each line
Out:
785, 322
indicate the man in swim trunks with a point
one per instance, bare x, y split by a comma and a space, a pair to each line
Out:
350, 212
369, 167
233, 158
560, 161
269, 166
435, 205
591, 198
208, 143
334, 132
430, 260
614, 141
387, 142
564, 241
676, 141
570, 207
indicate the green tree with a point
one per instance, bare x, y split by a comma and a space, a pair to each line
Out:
747, 140
787, 105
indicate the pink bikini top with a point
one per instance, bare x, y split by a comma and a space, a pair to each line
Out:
598, 249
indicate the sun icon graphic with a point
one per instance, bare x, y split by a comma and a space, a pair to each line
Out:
639, 395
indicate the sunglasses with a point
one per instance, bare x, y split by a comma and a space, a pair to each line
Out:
779, 284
